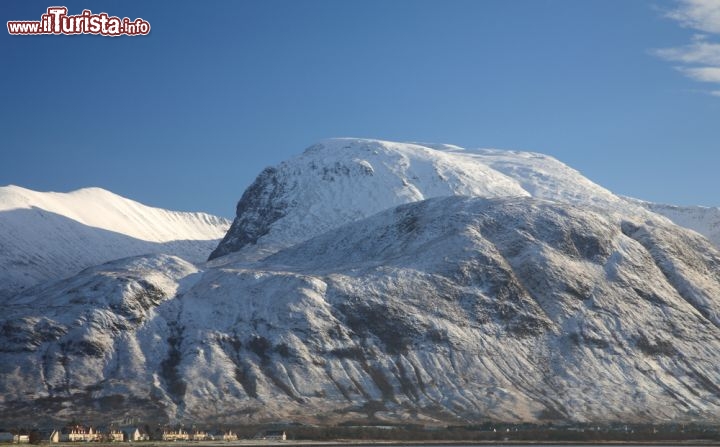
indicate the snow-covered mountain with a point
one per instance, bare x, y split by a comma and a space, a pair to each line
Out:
47, 235
386, 282
341, 180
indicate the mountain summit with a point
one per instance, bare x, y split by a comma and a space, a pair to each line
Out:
341, 180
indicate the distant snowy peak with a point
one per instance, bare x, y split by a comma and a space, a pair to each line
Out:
47, 235
342, 180
99, 208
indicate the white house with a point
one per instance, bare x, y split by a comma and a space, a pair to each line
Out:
115, 435
134, 434
175, 435
229, 436
55, 436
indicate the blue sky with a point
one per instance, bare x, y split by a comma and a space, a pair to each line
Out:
627, 92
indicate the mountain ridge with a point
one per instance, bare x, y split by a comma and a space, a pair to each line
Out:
49, 235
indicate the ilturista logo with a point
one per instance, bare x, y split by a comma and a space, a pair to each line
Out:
57, 21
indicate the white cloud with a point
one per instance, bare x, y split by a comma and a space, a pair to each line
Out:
702, 74
701, 57
699, 52
703, 15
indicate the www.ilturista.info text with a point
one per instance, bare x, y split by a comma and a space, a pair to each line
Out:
56, 21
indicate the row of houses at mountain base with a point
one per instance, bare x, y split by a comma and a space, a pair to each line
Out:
14, 438
197, 435
80, 433
183, 435
75, 433
180, 434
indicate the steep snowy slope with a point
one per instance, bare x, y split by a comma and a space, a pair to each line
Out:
46, 235
467, 308
449, 309
341, 180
